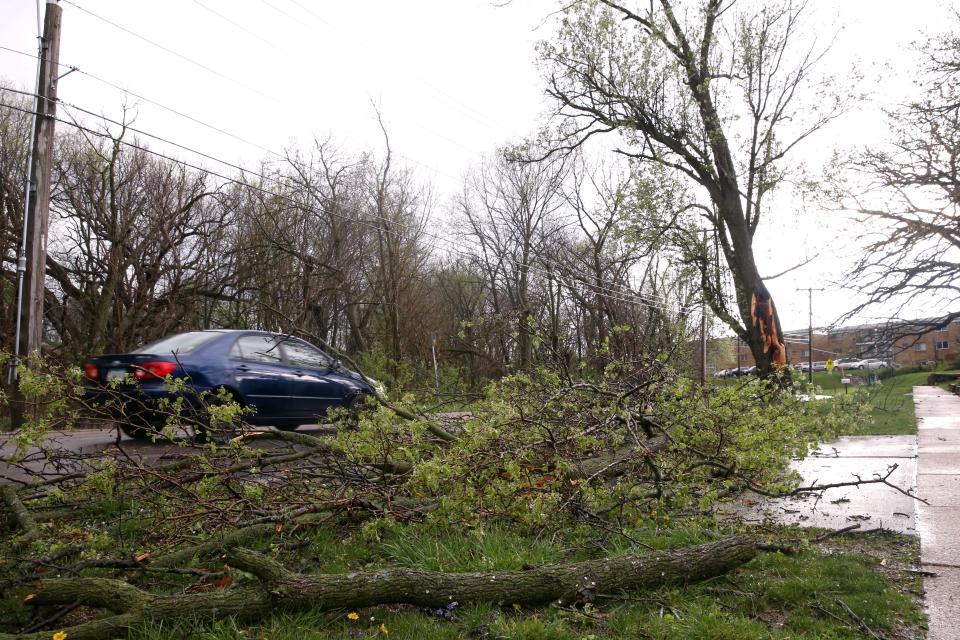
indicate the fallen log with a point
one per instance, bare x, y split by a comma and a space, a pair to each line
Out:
21, 516
276, 588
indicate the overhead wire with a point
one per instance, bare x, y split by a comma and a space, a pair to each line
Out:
244, 170
212, 127
631, 293
478, 118
630, 298
175, 53
247, 86
416, 123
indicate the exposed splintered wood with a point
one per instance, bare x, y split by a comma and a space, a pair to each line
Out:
278, 589
764, 317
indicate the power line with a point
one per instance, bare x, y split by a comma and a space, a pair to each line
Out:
490, 122
239, 82
240, 26
648, 297
464, 251
221, 130
618, 291
633, 298
273, 45
176, 53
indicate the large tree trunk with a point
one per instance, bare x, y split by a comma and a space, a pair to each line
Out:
279, 589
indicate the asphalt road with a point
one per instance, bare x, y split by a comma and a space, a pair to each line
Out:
76, 448
71, 445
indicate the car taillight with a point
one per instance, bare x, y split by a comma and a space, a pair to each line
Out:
91, 371
159, 369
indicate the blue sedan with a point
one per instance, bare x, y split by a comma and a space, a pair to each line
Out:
284, 381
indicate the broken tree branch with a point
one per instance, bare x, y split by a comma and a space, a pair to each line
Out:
278, 588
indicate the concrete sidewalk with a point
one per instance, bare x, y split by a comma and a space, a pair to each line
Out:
938, 523
870, 505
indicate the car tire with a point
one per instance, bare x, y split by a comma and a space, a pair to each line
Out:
201, 422
357, 406
140, 428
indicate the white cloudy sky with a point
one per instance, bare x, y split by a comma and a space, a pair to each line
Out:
454, 79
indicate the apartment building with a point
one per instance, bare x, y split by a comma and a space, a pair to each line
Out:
862, 341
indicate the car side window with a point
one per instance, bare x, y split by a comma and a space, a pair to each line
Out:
257, 349
301, 354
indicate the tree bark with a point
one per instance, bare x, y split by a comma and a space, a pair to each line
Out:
279, 589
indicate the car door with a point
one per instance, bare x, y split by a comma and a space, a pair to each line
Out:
263, 378
313, 388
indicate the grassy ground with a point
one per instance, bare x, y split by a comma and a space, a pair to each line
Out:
775, 596
891, 400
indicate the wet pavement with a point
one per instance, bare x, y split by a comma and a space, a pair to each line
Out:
871, 506
90, 442
938, 523
927, 464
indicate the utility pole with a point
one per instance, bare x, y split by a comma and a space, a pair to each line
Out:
703, 345
809, 291
703, 325
31, 265
433, 350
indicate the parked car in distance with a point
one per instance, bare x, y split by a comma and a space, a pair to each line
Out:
846, 363
866, 363
284, 381
742, 371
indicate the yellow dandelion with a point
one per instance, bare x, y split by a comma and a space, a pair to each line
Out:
517, 606
384, 630
60, 635
353, 615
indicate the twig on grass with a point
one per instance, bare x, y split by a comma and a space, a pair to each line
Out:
860, 621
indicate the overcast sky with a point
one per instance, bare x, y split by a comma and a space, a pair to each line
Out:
453, 78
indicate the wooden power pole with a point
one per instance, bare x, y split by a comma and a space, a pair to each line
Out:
32, 264
809, 291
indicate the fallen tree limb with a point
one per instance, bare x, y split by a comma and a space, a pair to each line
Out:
21, 516
266, 527
610, 464
277, 588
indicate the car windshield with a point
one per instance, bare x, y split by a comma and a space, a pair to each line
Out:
180, 343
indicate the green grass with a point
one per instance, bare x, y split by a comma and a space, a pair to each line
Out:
775, 596
890, 400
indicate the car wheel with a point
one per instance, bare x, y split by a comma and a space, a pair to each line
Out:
140, 428
357, 406
202, 430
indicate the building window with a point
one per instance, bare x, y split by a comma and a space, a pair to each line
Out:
743, 357
805, 353
835, 336
920, 346
943, 344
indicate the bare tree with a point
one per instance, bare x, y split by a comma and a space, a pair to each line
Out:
706, 91
907, 194
131, 245
511, 211
15, 131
